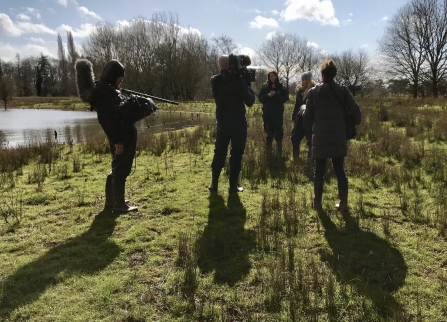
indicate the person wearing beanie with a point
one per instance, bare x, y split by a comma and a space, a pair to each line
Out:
120, 131
324, 120
297, 115
273, 95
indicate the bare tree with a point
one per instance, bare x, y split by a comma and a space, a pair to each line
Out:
225, 45
353, 69
403, 49
283, 53
430, 18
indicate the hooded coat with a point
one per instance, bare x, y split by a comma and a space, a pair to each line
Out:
324, 119
106, 99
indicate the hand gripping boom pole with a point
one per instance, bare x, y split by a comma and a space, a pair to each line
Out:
128, 91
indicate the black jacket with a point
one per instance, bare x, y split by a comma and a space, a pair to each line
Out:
298, 102
276, 102
231, 93
106, 100
324, 120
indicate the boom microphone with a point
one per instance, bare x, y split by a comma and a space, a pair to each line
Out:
85, 79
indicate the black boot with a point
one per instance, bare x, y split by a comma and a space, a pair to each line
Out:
318, 198
109, 191
296, 152
120, 205
268, 148
278, 149
234, 187
214, 181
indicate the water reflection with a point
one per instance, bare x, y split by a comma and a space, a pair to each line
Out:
30, 126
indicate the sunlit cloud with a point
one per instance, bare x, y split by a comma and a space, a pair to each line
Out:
83, 32
23, 17
33, 12
260, 22
313, 10
16, 29
87, 13
38, 40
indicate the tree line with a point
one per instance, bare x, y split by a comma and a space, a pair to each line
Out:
166, 60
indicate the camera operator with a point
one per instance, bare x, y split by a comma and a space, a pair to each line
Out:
231, 93
121, 133
273, 95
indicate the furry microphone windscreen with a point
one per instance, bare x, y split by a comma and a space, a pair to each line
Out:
85, 79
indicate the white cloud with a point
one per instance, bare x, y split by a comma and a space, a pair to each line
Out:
247, 51
85, 12
24, 17
39, 40
85, 30
8, 27
347, 22
66, 2
260, 22
275, 12
8, 52
322, 11
270, 35
122, 23
312, 44
189, 30
386, 18
33, 12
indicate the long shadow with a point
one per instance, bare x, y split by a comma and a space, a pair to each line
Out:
225, 245
84, 254
369, 263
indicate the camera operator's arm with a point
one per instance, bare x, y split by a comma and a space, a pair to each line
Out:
249, 96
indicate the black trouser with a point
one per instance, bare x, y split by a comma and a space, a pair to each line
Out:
121, 166
339, 169
273, 125
297, 132
230, 129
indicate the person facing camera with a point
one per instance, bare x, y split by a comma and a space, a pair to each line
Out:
273, 95
121, 133
231, 93
297, 115
324, 122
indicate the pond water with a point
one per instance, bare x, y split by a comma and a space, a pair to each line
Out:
29, 126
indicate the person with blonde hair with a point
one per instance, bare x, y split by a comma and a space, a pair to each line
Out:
324, 120
297, 115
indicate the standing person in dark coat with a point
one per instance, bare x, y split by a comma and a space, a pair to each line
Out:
231, 93
324, 120
120, 131
273, 95
297, 116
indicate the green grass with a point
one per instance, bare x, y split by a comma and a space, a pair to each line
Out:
262, 255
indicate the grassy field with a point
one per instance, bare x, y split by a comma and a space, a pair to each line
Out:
262, 255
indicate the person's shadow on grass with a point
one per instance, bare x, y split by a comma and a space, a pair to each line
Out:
225, 245
85, 254
364, 260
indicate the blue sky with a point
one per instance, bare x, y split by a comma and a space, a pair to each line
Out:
29, 27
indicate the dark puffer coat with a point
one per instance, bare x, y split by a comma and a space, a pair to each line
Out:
324, 120
276, 102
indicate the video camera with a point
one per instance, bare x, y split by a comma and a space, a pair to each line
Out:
238, 66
